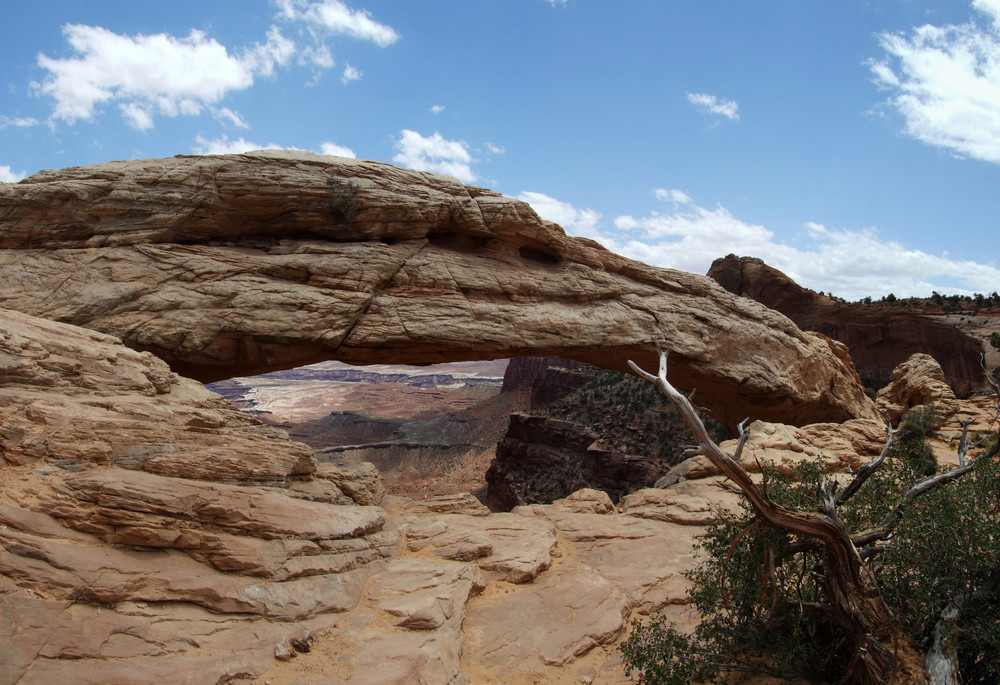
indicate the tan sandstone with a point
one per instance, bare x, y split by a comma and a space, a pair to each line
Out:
112, 572
231, 265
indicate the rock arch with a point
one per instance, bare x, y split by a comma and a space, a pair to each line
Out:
239, 264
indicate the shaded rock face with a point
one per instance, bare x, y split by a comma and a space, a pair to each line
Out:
541, 459
548, 378
235, 265
879, 338
595, 429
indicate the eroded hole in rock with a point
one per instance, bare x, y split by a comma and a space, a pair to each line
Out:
462, 242
537, 254
520, 431
429, 430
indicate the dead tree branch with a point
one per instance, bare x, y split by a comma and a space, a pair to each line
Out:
857, 605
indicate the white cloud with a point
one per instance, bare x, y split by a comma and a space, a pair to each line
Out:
675, 196
318, 55
149, 75
945, 82
226, 114
262, 59
435, 153
495, 149
710, 104
223, 146
8, 176
350, 74
580, 222
337, 150
437, 109
17, 122
849, 263
138, 116
337, 18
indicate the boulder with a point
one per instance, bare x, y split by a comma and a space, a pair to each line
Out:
558, 619
917, 381
234, 265
837, 446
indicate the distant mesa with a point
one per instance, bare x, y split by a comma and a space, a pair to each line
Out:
879, 337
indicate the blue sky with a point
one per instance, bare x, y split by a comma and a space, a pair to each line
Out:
854, 145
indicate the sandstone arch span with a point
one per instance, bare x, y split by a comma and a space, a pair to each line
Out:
240, 264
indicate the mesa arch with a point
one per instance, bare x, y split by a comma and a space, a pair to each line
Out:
241, 264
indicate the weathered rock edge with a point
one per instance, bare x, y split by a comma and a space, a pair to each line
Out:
239, 264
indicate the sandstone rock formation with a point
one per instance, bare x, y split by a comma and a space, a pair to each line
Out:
147, 528
150, 533
547, 378
879, 337
115, 567
917, 381
594, 428
232, 265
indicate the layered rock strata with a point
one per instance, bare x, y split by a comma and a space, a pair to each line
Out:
234, 265
112, 572
149, 529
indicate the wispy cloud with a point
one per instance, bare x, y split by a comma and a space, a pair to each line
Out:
8, 176
437, 109
945, 82
337, 150
223, 146
17, 122
228, 115
672, 195
151, 75
710, 104
435, 153
850, 263
336, 17
350, 74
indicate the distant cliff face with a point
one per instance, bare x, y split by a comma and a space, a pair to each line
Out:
879, 337
548, 378
240, 264
542, 459
587, 428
